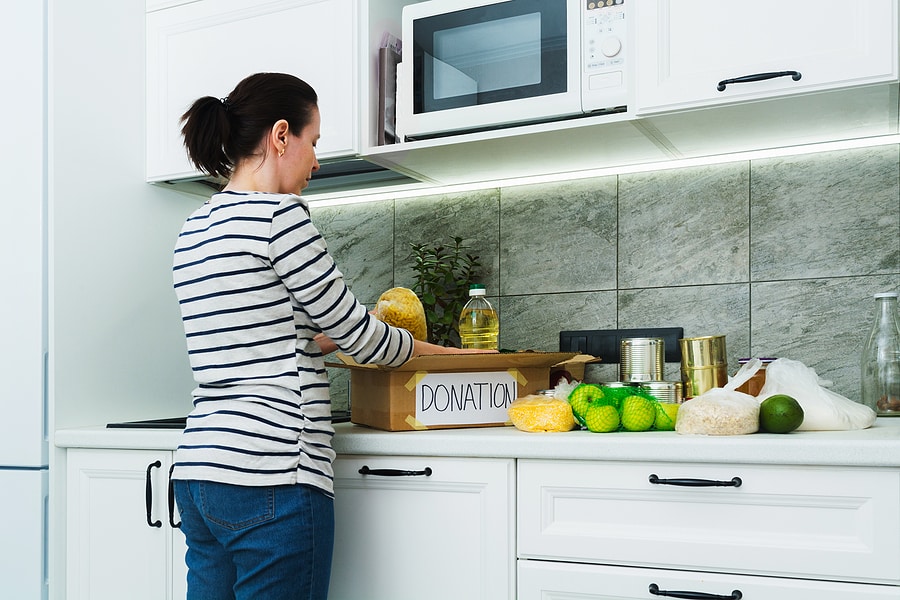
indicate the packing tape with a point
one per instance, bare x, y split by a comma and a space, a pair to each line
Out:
520, 379
414, 423
415, 379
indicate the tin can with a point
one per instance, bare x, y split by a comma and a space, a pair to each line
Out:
664, 391
704, 364
641, 359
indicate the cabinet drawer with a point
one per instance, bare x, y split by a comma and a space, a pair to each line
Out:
423, 527
539, 580
818, 522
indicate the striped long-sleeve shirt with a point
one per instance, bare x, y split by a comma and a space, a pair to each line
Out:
255, 284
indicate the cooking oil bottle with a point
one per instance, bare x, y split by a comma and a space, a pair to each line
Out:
479, 326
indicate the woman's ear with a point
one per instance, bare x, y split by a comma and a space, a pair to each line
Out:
279, 135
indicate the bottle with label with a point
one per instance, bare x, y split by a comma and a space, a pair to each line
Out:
880, 362
479, 326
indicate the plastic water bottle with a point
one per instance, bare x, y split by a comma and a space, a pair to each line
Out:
880, 362
479, 326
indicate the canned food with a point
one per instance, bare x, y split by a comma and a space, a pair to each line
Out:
664, 391
704, 364
641, 359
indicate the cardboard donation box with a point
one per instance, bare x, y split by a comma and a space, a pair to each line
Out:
446, 390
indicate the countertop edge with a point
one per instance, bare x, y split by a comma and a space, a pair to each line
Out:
878, 446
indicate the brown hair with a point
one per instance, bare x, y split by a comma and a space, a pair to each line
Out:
219, 133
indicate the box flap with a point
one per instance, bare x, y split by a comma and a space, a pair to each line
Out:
467, 362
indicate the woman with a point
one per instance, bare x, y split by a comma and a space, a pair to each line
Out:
262, 302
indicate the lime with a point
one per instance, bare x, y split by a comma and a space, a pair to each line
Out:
638, 413
601, 418
780, 414
666, 413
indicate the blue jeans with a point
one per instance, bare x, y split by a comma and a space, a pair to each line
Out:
264, 543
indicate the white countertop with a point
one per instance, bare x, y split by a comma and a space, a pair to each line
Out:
878, 446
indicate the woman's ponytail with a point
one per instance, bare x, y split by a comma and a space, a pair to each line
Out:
205, 128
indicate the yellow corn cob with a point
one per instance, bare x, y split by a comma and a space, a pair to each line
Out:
401, 307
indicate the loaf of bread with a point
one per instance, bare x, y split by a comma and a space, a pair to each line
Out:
541, 413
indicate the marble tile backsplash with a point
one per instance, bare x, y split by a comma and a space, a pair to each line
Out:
780, 255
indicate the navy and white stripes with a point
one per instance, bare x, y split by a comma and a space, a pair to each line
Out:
255, 283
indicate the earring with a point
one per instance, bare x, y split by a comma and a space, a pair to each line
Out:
281, 152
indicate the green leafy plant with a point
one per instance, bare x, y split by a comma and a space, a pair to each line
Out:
443, 274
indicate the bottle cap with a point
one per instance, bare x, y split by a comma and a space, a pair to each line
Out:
887, 295
477, 289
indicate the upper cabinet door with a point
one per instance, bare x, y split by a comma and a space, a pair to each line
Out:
205, 48
687, 50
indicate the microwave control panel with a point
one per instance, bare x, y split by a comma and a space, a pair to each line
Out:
604, 52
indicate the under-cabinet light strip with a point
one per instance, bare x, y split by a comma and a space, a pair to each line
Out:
620, 170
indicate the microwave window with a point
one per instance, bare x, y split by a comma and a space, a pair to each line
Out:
484, 57
494, 53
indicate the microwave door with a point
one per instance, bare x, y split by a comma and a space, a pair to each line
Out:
490, 66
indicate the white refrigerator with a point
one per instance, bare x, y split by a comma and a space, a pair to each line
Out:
23, 305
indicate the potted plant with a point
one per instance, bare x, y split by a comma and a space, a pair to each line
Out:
443, 274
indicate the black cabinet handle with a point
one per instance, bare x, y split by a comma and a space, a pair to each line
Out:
149, 495
654, 589
795, 75
734, 482
364, 470
171, 499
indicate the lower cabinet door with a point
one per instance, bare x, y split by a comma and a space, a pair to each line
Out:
408, 528
119, 543
545, 580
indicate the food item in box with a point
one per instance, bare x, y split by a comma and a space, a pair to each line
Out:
534, 413
401, 307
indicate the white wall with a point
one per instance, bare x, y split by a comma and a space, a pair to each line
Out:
116, 344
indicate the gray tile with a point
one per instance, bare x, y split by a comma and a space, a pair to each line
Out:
832, 214
360, 237
820, 322
558, 237
534, 322
473, 216
699, 310
684, 227
339, 387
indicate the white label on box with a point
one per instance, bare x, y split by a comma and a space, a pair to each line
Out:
464, 398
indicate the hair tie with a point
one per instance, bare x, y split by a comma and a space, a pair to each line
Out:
224, 102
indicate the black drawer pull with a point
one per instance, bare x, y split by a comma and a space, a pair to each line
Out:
171, 500
148, 491
364, 470
795, 75
654, 589
734, 482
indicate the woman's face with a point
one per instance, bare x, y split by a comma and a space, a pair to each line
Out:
300, 155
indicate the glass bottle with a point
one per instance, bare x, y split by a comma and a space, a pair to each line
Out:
880, 361
479, 326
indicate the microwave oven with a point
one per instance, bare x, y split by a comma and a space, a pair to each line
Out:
473, 65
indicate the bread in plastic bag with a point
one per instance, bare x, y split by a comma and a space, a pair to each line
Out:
724, 410
536, 413
823, 409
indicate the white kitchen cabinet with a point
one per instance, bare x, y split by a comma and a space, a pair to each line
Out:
685, 48
799, 526
414, 527
540, 580
120, 542
205, 48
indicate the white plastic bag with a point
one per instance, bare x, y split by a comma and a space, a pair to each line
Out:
722, 411
823, 410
